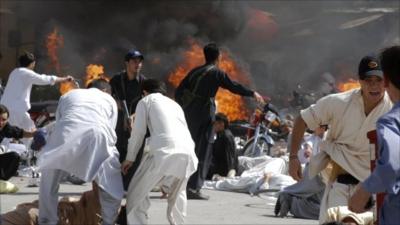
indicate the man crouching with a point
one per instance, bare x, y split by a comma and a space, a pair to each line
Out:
82, 143
171, 154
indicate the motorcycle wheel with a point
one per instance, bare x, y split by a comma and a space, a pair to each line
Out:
262, 147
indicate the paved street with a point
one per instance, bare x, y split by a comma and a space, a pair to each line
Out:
222, 208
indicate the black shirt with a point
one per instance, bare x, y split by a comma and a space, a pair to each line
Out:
209, 84
9, 131
131, 92
201, 111
128, 90
224, 156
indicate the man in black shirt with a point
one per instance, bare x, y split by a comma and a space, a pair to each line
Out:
224, 158
126, 89
9, 161
196, 95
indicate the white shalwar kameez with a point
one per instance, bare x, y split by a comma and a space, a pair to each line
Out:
171, 155
346, 142
17, 95
82, 143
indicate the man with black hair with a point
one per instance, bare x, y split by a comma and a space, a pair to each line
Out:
82, 143
171, 154
9, 161
126, 90
386, 175
196, 95
224, 158
350, 115
17, 93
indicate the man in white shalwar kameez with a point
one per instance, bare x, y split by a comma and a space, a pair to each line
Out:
350, 115
17, 93
82, 143
171, 154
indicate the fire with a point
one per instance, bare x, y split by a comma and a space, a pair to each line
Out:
94, 72
348, 85
66, 86
53, 43
230, 104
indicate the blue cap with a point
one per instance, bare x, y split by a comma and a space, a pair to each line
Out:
39, 140
132, 54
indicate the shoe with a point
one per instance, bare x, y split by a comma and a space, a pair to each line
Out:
192, 194
285, 201
75, 180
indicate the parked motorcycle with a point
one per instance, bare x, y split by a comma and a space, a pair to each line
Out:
264, 129
42, 113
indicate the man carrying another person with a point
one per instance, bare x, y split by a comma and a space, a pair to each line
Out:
349, 115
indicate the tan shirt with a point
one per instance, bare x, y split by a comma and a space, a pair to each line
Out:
346, 142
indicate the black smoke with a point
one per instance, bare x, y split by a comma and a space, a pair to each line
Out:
312, 37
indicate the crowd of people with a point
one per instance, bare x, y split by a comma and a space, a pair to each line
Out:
126, 136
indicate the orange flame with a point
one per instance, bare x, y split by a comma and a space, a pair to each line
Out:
348, 85
53, 43
66, 86
94, 72
230, 104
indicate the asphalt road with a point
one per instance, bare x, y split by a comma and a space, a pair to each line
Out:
222, 208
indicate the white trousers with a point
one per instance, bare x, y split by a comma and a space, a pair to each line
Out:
48, 199
22, 120
142, 183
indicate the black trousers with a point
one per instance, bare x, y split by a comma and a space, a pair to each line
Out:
9, 163
202, 136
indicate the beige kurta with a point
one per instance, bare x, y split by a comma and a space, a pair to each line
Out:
346, 142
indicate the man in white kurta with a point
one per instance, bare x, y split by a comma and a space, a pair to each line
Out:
82, 143
171, 154
17, 94
350, 115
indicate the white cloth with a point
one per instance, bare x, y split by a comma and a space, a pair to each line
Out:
346, 142
48, 195
253, 179
17, 95
171, 152
169, 135
311, 141
138, 194
83, 139
339, 213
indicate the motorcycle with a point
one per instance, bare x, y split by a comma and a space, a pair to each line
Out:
43, 113
265, 128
